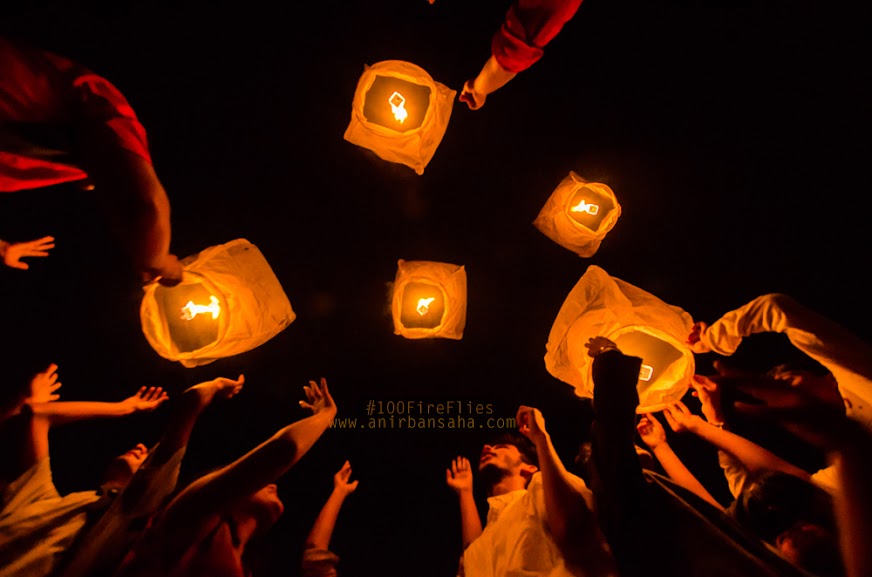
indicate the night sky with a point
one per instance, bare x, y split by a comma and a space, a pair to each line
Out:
734, 136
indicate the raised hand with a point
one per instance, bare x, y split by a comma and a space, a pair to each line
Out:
44, 384
319, 399
597, 345
471, 97
709, 394
12, 253
652, 432
531, 424
694, 339
341, 483
680, 418
221, 387
146, 399
459, 476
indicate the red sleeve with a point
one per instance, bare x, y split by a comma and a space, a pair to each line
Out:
70, 106
105, 113
529, 25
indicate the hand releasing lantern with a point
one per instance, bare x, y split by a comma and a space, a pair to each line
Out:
229, 302
639, 323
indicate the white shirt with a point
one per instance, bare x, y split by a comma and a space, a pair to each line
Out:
37, 524
516, 541
844, 354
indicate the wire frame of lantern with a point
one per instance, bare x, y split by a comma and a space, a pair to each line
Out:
400, 113
228, 302
639, 323
429, 300
579, 214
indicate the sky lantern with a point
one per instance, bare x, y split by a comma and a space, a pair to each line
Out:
579, 214
429, 300
400, 113
640, 324
229, 302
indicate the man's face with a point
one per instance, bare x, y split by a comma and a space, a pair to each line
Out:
502, 456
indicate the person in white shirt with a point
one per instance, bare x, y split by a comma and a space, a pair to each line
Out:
541, 519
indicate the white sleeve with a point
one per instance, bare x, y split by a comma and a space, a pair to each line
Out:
844, 354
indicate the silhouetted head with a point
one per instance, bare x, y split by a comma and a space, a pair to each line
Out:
794, 516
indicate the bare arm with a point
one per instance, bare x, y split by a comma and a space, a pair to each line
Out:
654, 435
459, 478
137, 205
322, 530
491, 78
752, 456
213, 493
568, 504
62, 412
191, 404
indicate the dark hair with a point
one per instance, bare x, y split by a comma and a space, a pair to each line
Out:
817, 550
524, 445
776, 501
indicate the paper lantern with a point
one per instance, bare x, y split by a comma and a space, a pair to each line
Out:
429, 300
229, 302
579, 214
400, 113
640, 324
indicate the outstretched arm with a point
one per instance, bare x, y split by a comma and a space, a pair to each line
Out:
262, 465
459, 478
752, 456
568, 503
191, 404
654, 435
322, 530
62, 412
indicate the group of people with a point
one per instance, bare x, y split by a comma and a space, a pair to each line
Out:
636, 509
641, 510
634, 503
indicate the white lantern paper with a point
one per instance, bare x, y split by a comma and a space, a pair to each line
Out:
579, 214
400, 113
639, 323
429, 300
229, 302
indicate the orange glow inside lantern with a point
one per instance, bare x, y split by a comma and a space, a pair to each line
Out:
657, 356
191, 313
423, 306
588, 207
396, 103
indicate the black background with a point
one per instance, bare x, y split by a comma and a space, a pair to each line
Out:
735, 137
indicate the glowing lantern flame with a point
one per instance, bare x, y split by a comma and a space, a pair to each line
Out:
585, 207
645, 373
190, 310
424, 306
398, 102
